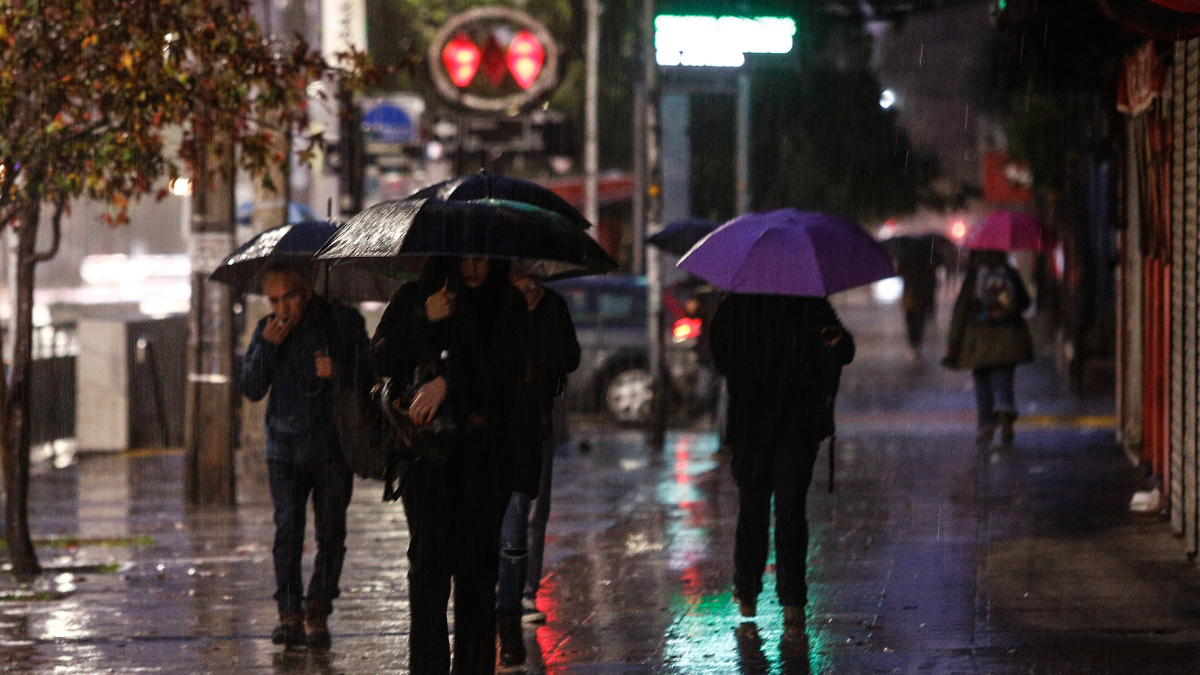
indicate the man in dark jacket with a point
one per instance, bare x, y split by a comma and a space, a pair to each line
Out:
779, 356
555, 352
295, 353
464, 326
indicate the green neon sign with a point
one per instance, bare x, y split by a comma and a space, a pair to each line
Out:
719, 41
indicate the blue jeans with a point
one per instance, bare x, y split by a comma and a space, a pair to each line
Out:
993, 393
514, 553
330, 483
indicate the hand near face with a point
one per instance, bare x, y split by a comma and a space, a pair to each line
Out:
276, 330
324, 365
440, 305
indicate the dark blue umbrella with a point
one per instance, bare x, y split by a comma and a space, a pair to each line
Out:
295, 244
680, 236
488, 185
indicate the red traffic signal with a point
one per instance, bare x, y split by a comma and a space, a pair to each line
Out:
461, 58
525, 58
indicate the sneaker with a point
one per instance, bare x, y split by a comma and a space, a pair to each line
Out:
290, 631
530, 613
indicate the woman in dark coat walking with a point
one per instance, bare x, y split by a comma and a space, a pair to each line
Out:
464, 327
988, 335
777, 354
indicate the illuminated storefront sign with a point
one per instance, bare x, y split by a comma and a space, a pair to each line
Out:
719, 41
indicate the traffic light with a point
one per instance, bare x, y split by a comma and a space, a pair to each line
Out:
525, 57
461, 58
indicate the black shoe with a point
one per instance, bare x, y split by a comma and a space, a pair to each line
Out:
512, 642
290, 631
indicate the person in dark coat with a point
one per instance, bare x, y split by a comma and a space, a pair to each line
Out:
463, 327
294, 354
777, 354
555, 353
989, 336
920, 288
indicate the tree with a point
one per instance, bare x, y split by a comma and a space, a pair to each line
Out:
87, 90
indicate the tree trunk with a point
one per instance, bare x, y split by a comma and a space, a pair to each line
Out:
17, 411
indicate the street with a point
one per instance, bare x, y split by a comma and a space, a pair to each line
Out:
930, 555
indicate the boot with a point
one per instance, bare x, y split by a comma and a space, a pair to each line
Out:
512, 642
746, 608
317, 621
290, 631
1006, 427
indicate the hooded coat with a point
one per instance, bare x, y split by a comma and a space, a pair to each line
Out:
974, 343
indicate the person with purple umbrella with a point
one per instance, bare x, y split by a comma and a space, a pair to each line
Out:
781, 347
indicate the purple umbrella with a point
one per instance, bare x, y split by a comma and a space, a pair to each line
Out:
789, 252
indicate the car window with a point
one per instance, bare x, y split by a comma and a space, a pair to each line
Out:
621, 307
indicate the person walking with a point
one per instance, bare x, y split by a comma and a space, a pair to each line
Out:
294, 354
920, 287
555, 352
776, 353
989, 336
462, 328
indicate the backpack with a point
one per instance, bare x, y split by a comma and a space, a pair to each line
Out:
995, 294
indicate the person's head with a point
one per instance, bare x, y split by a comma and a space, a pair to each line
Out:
474, 271
530, 287
288, 292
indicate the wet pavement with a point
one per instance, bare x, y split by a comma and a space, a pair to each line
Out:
930, 557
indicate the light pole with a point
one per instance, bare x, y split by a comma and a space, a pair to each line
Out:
591, 150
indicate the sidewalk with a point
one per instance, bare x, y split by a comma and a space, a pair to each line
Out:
931, 556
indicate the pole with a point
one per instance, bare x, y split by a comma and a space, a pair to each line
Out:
591, 113
209, 434
639, 178
658, 417
743, 142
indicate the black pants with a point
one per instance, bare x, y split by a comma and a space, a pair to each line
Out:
454, 515
330, 484
786, 473
914, 321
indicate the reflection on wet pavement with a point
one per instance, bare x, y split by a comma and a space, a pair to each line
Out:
929, 557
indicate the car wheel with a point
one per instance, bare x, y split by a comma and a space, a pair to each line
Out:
628, 394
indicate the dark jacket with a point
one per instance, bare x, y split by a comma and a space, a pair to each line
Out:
300, 415
770, 350
480, 350
554, 349
974, 343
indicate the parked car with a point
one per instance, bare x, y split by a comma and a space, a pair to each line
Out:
614, 375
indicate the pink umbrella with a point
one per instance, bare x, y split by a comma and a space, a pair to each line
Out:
1008, 231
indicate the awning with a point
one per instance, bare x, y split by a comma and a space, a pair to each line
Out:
1166, 20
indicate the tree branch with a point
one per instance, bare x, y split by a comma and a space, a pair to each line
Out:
56, 228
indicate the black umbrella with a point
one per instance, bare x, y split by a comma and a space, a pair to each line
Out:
295, 244
487, 185
398, 236
680, 236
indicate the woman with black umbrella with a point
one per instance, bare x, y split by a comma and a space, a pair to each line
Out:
461, 330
